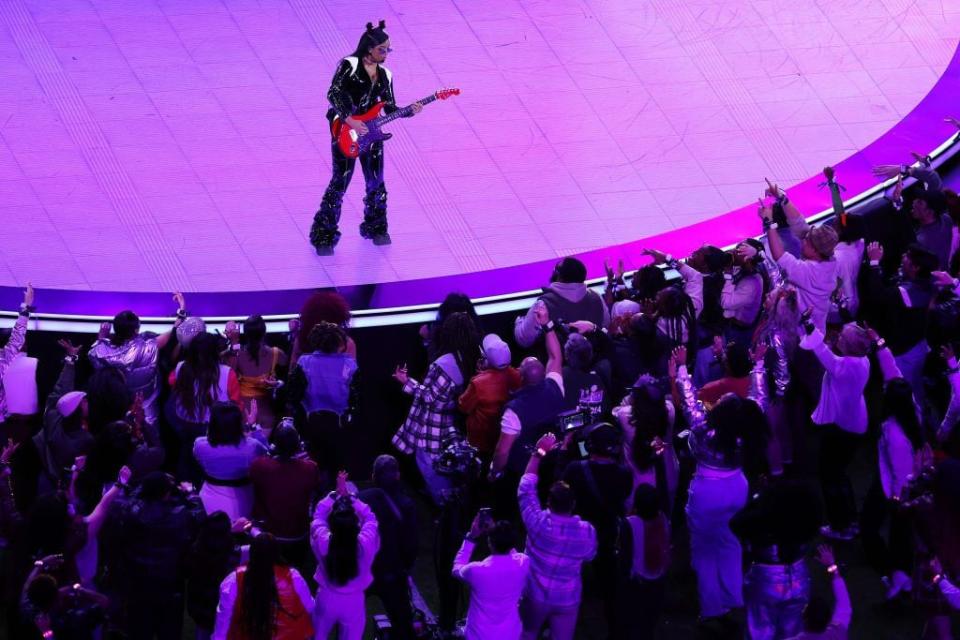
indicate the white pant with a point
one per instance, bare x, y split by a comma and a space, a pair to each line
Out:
347, 610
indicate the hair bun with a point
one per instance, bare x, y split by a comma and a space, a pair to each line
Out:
383, 24
369, 26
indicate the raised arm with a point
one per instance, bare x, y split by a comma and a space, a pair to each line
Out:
19, 334
773, 235
164, 338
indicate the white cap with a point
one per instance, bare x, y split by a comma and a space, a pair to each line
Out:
69, 402
496, 351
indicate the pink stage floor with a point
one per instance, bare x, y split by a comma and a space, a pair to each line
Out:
181, 144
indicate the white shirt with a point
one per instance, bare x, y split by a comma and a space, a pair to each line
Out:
815, 281
20, 385
896, 458
848, 257
741, 301
841, 392
510, 422
496, 584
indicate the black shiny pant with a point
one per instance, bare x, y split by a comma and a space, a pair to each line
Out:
324, 232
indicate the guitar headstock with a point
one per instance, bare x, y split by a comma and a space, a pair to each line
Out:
443, 94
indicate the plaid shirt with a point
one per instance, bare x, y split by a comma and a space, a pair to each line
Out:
557, 546
9, 352
431, 418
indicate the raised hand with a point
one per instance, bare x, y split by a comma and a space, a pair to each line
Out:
71, 349
28, 295
232, 331
104, 331
342, 478
680, 355
875, 251
886, 171
825, 555
7, 453
124, 476
546, 442
181, 303
898, 189
772, 189
765, 212
252, 412
541, 313
400, 374
942, 279
758, 352
659, 257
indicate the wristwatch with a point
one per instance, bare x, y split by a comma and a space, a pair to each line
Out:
26, 309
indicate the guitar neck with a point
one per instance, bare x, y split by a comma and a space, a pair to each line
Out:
402, 111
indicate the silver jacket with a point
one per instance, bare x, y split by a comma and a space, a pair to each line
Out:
137, 359
702, 436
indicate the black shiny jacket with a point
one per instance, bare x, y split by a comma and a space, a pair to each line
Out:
352, 92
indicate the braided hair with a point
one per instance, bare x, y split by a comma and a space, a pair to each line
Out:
676, 310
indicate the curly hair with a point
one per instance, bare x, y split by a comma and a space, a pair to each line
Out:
324, 306
327, 337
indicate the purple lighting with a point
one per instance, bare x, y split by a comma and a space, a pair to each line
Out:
182, 145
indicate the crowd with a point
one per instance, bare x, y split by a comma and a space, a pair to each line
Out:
198, 473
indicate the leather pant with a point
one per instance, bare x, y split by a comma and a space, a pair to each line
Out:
325, 232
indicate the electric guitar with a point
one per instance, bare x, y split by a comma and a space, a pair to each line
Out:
352, 144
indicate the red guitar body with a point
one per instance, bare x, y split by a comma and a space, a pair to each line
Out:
349, 140
352, 144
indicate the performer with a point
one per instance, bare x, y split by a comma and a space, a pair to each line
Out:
359, 83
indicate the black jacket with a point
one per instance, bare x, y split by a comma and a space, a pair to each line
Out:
352, 92
399, 534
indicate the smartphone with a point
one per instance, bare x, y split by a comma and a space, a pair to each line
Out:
485, 518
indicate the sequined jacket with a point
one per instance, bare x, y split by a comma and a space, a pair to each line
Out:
702, 437
137, 359
352, 92
7, 354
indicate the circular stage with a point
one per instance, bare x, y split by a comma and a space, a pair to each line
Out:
158, 145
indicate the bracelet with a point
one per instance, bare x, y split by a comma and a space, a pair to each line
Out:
47, 634
937, 578
121, 486
182, 314
540, 452
72, 359
38, 564
881, 344
550, 326
833, 569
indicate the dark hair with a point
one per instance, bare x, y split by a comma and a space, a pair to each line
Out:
112, 448
126, 324
254, 330
817, 615
326, 306
604, 439
455, 302
286, 441
850, 228
341, 563
198, 376
925, 261
676, 308
649, 418
48, 525
650, 349
936, 201
372, 37
500, 538
226, 425
578, 352
648, 281
327, 337
898, 404
258, 598
742, 432
570, 270
646, 502
386, 472
108, 398
561, 498
156, 486
42, 592
738, 361
458, 335
213, 548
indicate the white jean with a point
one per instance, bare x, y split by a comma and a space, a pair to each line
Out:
347, 610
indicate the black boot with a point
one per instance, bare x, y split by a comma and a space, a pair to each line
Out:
324, 235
